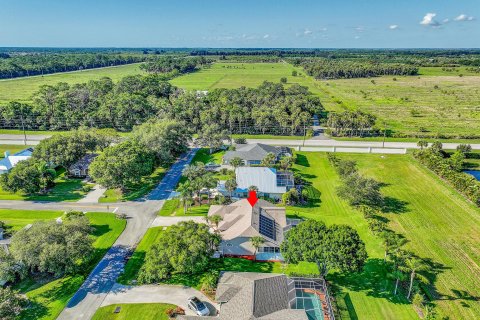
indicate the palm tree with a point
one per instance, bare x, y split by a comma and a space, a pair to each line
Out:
231, 185
256, 241
209, 182
398, 276
268, 160
422, 144
253, 188
215, 219
286, 162
236, 162
413, 265
392, 242
185, 191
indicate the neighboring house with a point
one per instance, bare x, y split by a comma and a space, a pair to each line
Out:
240, 222
270, 182
267, 296
80, 168
10, 161
253, 154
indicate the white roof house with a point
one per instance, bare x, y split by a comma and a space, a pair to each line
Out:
10, 161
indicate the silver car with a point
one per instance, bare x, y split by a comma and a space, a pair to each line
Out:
198, 306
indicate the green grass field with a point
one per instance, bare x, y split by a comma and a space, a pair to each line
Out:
144, 311
440, 225
12, 148
369, 295
21, 89
17, 219
48, 300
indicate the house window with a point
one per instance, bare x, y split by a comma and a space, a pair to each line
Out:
269, 249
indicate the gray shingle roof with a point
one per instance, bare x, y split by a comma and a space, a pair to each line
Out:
256, 151
249, 296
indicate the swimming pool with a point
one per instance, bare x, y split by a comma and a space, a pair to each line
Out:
310, 294
475, 173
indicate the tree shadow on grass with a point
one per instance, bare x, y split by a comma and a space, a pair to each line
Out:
372, 280
393, 205
302, 160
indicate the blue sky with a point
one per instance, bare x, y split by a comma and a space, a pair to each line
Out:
242, 23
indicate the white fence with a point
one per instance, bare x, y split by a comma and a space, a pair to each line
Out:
354, 149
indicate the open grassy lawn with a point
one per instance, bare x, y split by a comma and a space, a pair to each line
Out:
144, 311
21, 89
440, 225
203, 155
134, 191
17, 219
138, 257
367, 295
173, 207
65, 189
49, 299
439, 71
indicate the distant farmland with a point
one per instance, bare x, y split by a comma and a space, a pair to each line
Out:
435, 102
21, 89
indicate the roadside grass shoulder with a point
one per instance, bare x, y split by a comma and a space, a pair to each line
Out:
49, 299
134, 311
15, 219
138, 257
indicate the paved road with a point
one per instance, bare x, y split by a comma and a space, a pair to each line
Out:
176, 295
353, 144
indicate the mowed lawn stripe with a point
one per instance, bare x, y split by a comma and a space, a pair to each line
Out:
440, 225
367, 295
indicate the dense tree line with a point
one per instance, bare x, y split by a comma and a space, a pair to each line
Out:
97, 103
22, 65
339, 68
350, 123
174, 64
270, 108
449, 168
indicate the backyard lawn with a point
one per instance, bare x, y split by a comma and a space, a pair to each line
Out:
367, 295
440, 225
134, 191
49, 299
146, 311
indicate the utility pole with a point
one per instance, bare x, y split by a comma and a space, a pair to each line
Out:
23, 127
384, 133
304, 134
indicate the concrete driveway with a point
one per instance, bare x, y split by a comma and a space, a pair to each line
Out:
168, 221
176, 295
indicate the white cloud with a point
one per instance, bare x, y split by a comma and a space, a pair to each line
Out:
464, 17
393, 27
266, 36
307, 32
446, 20
360, 28
428, 20
357, 37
